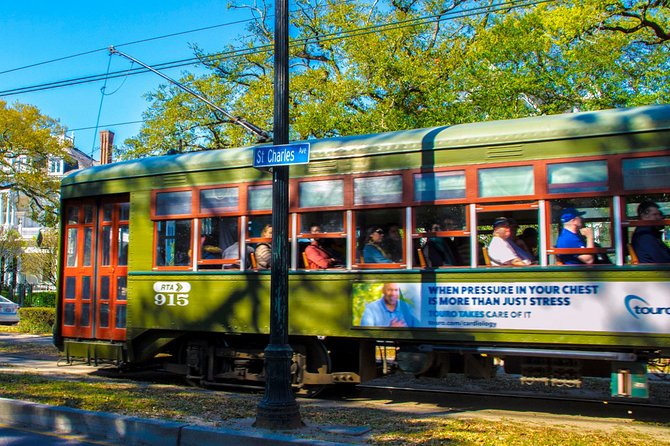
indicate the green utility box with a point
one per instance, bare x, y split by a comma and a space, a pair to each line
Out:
629, 380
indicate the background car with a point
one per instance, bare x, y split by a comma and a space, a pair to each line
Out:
8, 311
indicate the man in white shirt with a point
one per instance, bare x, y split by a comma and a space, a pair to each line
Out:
501, 252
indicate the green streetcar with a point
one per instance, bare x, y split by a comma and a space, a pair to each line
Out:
161, 262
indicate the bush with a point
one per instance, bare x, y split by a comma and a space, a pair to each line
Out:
37, 320
40, 299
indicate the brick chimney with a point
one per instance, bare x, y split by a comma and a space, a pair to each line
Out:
106, 145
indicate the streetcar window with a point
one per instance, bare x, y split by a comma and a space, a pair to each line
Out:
104, 315
223, 199
88, 213
328, 229
646, 173
506, 181
378, 190
86, 287
439, 235
121, 284
88, 246
321, 193
585, 176
257, 223
85, 320
219, 237
328, 222
173, 203
449, 218
597, 214
124, 211
387, 224
173, 242
124, 236
68, 317
104, 288
120, 320
72, 247
107, 212
106, 248
439, 186
260, 198
633, 201
70, 287
72, 215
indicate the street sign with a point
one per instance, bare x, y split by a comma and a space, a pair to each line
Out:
281, 155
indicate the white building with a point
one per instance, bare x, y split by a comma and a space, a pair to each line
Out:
14, 211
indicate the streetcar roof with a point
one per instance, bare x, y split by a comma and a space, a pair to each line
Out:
539, 128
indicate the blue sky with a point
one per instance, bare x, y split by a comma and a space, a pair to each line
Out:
38, 31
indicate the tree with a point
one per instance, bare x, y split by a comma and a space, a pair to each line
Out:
28, 140
361, 67
10, 251
41, 260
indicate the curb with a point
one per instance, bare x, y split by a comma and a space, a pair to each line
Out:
134, 431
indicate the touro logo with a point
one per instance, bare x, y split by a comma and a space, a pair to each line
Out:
634, 304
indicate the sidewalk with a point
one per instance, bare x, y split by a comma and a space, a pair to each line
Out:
133, 431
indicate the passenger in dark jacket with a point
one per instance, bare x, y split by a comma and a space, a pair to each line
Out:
647, 240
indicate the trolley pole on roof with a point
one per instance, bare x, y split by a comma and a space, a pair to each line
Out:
261, 134
278, 409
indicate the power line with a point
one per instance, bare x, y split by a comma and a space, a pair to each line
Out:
263, 48
117, 124
148, 39
134, 42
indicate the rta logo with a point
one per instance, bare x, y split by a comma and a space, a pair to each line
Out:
634, 305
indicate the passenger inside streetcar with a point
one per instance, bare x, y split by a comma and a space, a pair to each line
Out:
373, 252
263, 250
319, 256
392, 243
647, 240
439, 251
575, 235
501, 250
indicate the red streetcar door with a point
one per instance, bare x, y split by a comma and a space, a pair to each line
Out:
95, 269
112, 270
77, 286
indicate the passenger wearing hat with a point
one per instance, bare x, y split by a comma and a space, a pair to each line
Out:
575, 235
501, 251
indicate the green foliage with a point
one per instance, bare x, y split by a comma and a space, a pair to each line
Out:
361, 67
27, 140
42, 260
37, 320
363, 294
40, 299
10, 249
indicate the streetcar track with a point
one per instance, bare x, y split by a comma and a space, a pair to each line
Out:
528, 395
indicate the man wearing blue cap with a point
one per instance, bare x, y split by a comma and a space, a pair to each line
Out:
575, 235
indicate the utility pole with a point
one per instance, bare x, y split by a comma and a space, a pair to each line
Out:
278, 409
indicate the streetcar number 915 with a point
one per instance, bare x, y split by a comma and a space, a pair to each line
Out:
171, 300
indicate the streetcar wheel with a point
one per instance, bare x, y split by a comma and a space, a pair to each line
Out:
317, 361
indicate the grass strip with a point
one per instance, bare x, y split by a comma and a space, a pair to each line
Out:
389, 427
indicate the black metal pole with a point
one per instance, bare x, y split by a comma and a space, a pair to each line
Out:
278, 409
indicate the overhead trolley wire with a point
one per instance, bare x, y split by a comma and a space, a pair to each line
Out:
268, 47
135, 42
